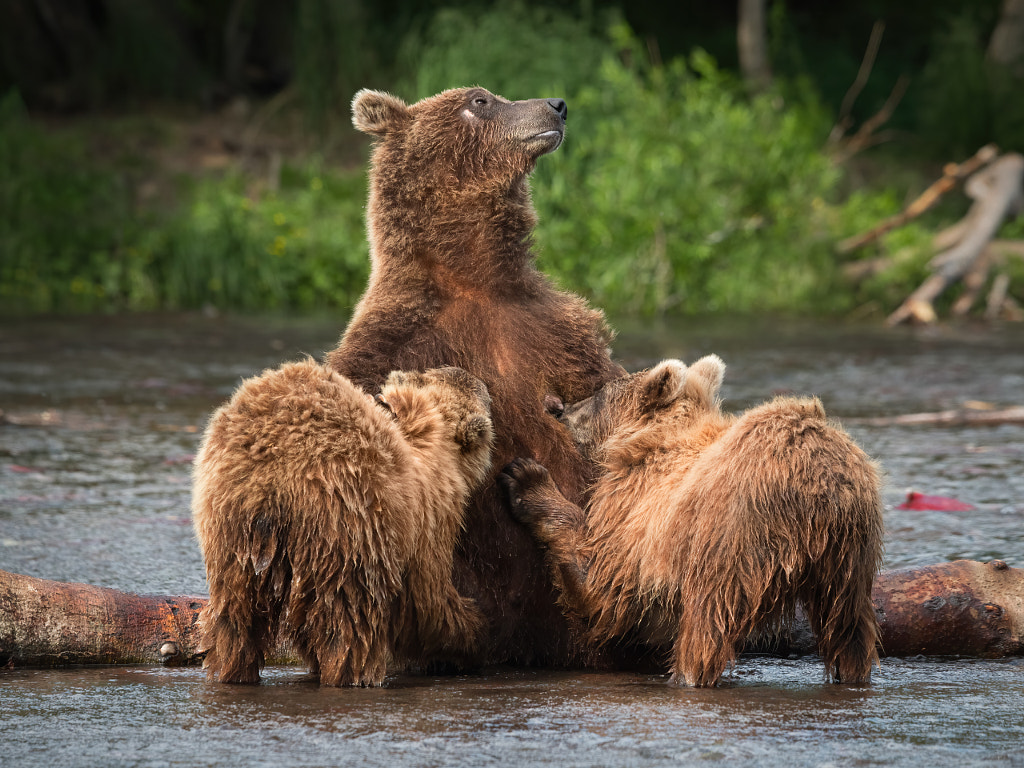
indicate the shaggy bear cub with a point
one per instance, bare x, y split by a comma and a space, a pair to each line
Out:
330, 517
703, 528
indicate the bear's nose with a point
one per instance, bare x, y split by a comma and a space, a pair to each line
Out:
559, 106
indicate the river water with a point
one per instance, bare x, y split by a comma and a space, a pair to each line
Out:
101, 417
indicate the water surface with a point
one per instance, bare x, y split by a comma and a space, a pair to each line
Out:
101, 417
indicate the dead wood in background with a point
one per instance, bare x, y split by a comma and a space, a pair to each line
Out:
969, 254
951, 174
997, 191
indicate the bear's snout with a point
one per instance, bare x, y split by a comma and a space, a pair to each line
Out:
560, 107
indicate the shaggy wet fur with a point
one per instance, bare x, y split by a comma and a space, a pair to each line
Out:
332, 519
704, 528
454, 282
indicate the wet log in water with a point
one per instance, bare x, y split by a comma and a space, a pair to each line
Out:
963, 608
52, 623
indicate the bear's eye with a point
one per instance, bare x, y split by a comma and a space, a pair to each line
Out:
479, 101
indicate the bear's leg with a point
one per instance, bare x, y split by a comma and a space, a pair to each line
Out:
238, 622
555, 522
339, 615
355, 658
732, 580
840, 609
716, 618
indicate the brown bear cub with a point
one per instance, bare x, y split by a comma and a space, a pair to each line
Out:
704, 528
329, 518
454, 281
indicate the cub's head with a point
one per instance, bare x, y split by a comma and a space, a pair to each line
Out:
669, 395
444, 408
466, 135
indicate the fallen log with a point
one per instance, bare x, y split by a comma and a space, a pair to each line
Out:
54, 624
963, 608
51, 623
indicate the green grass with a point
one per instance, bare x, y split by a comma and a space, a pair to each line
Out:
300, 247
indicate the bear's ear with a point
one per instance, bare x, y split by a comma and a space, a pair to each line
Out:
663, 383
377, 112
470, 431
704, 379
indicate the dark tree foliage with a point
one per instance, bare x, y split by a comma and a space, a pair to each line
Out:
101, 50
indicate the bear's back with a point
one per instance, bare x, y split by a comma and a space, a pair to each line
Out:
301, 426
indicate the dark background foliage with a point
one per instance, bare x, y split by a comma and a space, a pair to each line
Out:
182, 153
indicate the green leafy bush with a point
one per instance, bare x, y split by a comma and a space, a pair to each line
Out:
73, 239
686, 195
302, 246
674, 191
515, 50
65, 224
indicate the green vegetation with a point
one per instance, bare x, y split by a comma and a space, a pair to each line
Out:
300, 247
73, 238
686, 195
676, 190
66, 224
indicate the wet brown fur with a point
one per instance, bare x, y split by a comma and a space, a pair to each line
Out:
704, 528
454, 282
333, 519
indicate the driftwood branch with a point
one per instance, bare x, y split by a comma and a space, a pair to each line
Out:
965, 607
996, 191
960, 417
974, 281
951, 174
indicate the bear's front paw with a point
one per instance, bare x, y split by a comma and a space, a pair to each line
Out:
517, 479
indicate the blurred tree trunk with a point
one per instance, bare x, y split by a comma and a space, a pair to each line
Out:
1006, 47
237, 33
752, 42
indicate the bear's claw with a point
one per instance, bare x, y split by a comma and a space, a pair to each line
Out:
517, 478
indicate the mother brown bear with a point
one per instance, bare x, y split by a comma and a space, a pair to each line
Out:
454, 283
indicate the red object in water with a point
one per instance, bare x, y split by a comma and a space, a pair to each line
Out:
921, 501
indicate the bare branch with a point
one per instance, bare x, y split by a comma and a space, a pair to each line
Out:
951, 174
866, 65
